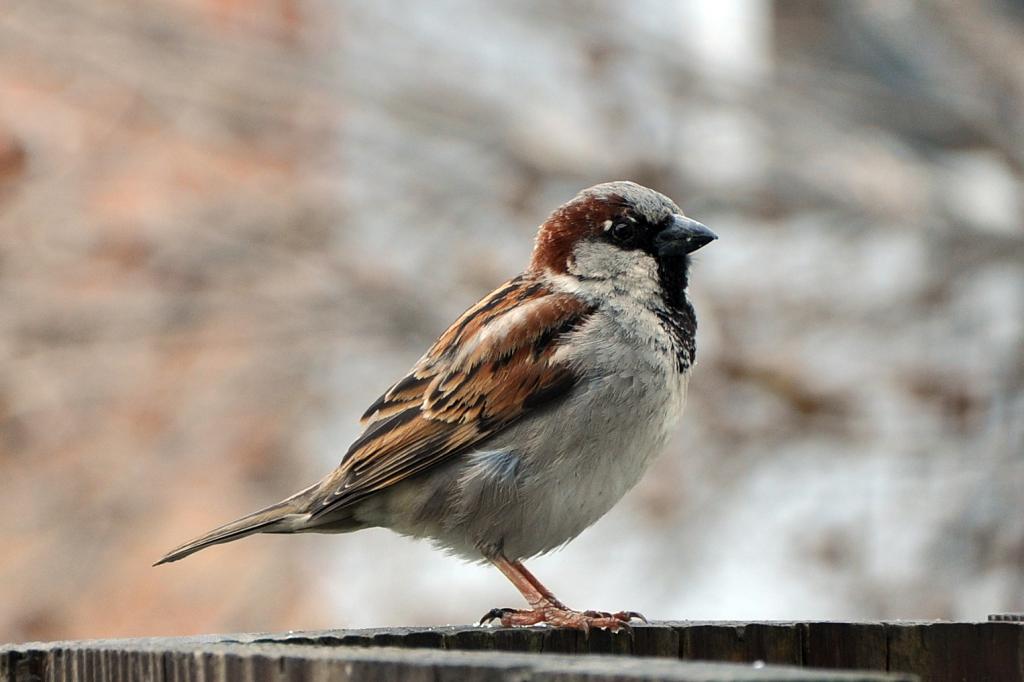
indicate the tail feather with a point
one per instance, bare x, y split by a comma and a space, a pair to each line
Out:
283, 517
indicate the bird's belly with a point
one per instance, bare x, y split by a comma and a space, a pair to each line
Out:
543, 481
546, 480
575, 475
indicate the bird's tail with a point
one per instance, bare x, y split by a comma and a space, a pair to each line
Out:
284, 517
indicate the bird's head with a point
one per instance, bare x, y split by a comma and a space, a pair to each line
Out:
623, 234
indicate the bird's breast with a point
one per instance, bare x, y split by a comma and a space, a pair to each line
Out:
579, 458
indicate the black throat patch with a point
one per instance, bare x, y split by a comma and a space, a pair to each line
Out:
678, 318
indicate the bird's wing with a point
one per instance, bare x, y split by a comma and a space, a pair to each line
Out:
497, 362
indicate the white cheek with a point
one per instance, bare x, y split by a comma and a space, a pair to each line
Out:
642, 267
600, 260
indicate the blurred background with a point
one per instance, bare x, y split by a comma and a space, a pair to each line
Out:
227, 225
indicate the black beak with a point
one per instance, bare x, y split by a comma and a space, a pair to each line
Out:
683, 236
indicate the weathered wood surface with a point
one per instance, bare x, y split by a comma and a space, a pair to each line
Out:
203, 661
936, 651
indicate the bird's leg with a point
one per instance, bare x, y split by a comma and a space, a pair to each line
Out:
537, 585
545, 607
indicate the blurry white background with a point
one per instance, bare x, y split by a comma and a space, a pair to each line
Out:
227, 225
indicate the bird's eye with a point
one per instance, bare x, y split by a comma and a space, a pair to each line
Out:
623, 233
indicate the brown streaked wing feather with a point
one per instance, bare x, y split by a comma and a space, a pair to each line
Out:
495, 364
408, 392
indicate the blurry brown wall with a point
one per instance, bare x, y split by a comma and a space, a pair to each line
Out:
161, 195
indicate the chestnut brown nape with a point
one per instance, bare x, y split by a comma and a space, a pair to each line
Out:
582, 217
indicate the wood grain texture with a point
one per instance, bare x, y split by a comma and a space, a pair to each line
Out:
191, 661
934, 651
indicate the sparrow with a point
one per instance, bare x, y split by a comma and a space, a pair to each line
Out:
534, 413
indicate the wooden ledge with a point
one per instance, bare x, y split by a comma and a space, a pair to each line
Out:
171, 660
936, 651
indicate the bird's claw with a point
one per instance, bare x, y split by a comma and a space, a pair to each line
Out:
559, 616
495, 614
624, 616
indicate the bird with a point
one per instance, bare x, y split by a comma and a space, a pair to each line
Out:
534, 413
